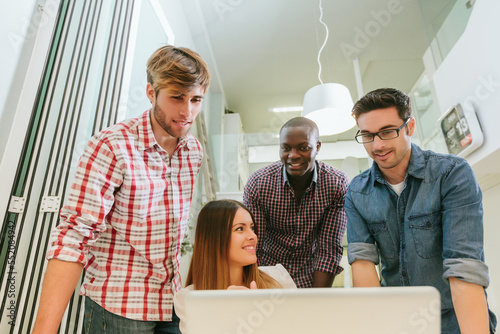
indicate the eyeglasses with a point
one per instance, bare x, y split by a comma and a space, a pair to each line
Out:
367, 137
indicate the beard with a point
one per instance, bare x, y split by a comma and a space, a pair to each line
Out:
157, 114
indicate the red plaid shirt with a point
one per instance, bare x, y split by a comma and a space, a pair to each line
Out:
304, 236
125, 218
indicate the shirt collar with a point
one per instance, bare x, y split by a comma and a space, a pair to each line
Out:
416, 165
147, 138
314, 178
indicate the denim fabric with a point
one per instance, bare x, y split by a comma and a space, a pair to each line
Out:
98, 320
432, 231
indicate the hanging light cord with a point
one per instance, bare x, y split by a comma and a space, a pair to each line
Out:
324, 43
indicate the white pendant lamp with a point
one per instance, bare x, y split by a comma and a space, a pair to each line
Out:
329, 105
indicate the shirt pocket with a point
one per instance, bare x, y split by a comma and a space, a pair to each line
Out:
427, 234
382, 235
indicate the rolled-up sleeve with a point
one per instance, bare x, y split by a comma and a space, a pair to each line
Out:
89, 201
360, 242
462, 219
329, 253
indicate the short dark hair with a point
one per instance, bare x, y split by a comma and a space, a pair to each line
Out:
305, 122
383, 98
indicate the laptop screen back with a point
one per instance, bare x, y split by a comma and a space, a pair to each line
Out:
399, 310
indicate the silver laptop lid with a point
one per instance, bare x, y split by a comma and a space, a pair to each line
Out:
399, 310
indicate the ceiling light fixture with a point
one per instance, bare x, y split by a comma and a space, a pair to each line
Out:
328, 105
286, 109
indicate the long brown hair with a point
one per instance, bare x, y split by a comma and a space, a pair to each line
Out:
209, 269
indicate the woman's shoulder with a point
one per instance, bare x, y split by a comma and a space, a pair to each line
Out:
280, 274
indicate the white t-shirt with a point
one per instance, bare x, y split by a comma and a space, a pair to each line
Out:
398, 188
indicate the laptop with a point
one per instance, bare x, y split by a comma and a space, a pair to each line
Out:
387, 310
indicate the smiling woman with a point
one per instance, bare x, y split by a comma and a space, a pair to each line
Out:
224, 249
224, 255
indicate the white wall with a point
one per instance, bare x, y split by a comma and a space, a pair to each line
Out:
19, 22
491, 198
26, 31
471, 74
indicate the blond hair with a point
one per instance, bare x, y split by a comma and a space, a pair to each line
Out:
177, 66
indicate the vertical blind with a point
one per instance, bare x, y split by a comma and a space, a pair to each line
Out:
78, 96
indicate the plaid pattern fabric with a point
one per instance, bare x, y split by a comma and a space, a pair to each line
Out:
305, 236
125, 218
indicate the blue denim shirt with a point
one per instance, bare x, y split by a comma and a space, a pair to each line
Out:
432, 231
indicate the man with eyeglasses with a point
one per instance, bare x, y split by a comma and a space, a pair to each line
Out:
419, 213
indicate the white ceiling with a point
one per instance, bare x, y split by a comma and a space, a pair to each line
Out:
263, 53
